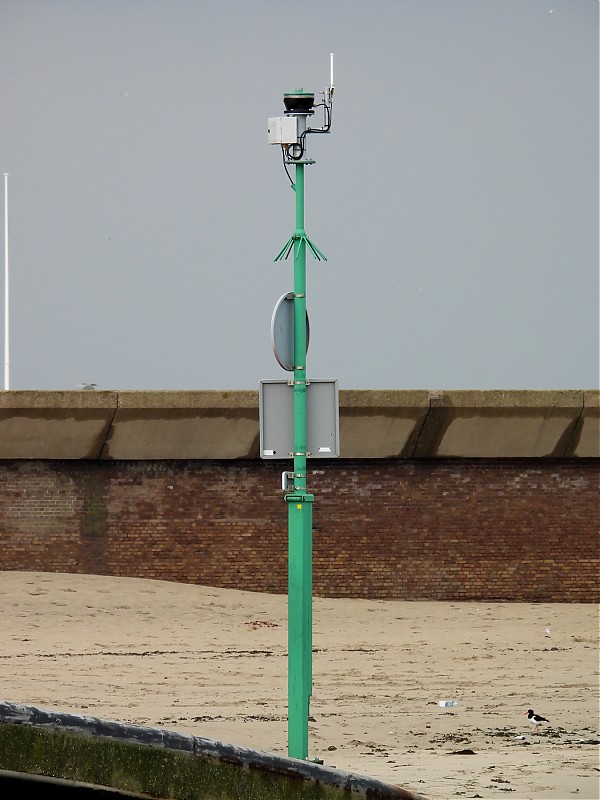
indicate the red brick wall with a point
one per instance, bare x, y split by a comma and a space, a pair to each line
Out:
521, 530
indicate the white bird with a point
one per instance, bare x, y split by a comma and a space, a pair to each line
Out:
87, 386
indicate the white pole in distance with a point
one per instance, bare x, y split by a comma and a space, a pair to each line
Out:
6, 350
331, 73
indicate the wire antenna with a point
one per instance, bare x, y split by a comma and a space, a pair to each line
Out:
331, 85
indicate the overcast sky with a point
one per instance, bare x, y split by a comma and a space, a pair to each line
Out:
456, 197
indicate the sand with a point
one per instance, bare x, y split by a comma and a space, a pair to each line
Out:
213, 662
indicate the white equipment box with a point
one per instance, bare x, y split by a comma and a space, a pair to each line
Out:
282, 130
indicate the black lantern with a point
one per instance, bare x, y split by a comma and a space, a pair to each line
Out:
299, 102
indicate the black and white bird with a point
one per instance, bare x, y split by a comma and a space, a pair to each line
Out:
535, 719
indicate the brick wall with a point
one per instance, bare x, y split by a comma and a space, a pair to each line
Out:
520, 530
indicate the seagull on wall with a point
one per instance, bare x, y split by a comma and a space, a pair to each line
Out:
87, 386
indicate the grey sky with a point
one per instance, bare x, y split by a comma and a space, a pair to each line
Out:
456, 198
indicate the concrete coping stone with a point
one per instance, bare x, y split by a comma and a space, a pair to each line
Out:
306, 771
349, 398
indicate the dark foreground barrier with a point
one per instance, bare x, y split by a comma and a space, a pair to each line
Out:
43, 748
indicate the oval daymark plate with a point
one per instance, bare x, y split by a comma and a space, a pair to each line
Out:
282, 332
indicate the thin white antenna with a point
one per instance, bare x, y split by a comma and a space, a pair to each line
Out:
331, 86
6, 350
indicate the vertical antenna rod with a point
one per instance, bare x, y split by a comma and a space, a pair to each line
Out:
6, 349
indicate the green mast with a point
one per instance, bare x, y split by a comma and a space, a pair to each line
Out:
299, 504
290, 132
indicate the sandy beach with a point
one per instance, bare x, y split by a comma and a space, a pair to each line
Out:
213, 662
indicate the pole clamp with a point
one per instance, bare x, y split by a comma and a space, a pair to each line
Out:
288, 479
294, 454
292, 382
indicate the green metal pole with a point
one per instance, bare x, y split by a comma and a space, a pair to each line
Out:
300, 337
299, 515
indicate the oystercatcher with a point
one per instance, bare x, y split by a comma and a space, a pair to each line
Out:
535, 719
